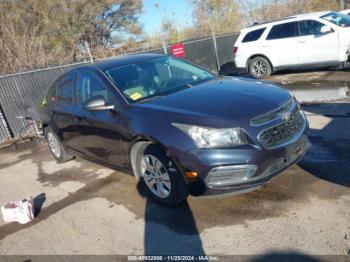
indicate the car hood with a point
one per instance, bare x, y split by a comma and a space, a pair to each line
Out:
224, 98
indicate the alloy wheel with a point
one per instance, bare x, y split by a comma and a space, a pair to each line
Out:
54, 145
156, 176
259, 68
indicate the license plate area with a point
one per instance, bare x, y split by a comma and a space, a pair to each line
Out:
297, 149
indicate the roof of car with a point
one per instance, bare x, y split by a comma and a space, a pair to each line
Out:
288, 18
346, 11
121, 60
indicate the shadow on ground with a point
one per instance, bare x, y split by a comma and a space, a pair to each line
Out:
288, 256
329, 156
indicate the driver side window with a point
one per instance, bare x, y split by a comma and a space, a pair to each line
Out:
309, 27
89, 86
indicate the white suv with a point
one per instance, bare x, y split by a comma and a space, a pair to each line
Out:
308, 40
347, 12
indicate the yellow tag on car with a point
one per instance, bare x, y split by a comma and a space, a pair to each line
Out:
135, 96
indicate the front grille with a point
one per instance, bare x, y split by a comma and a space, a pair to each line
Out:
270, 116
281, 134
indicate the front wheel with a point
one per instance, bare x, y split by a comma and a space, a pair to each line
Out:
161, 177
56, 147
259, 67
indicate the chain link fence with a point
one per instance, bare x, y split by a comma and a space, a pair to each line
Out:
201, 52
20, 94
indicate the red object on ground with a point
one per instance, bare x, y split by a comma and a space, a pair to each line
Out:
178, 50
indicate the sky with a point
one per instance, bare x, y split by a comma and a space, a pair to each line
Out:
151, 18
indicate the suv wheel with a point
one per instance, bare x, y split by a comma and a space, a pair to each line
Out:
259, 67
56, 148
161, 177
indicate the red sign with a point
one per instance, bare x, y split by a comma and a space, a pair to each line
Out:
178, 50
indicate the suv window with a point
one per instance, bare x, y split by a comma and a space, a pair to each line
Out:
65, 90
309, 27
283, 31
253, 35
88, 86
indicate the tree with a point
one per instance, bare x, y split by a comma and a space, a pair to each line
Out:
96, 22
169, 33
22, 44
215, 17
257, 11
36, 33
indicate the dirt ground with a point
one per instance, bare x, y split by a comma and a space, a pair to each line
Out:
89, 209
289, 77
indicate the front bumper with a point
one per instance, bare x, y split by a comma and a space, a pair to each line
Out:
261, 165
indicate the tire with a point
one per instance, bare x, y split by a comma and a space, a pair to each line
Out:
259, 67
164, 182
56, 147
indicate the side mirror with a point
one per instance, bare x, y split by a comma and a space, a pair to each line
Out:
326, 29
97, 103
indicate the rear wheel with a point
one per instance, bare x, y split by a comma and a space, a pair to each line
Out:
259, 67
161, 177
56, 147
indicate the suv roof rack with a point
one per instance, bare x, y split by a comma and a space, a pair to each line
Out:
280, 19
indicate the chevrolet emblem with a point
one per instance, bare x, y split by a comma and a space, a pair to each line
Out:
286, 115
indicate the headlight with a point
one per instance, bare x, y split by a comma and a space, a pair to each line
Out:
212, 137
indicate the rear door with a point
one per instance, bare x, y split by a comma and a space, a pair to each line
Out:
63, 113
314, 46
281, 44
247, 44
102, 133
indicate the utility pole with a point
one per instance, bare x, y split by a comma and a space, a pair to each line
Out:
164, 44
342, 4
87, 47
213, 35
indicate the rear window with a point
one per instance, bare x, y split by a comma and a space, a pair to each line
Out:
253, 35
65, 90
283, 31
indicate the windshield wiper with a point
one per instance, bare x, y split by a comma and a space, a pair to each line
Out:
197, 82
188, 85
148, 98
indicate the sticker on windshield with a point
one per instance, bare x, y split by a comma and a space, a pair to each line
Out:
135, 96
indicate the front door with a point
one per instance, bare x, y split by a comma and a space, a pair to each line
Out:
102, 133
314, 46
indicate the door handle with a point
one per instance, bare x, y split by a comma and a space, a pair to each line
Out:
264, 46
302, 41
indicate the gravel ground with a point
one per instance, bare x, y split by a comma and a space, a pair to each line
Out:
89, 209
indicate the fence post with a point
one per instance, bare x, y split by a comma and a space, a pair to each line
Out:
216, 52
165, 48
342, 4
87, 47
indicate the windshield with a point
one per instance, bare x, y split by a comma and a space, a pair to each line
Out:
155, 77
337, 19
